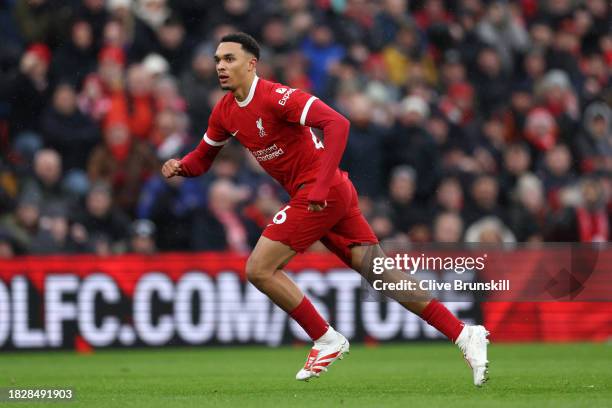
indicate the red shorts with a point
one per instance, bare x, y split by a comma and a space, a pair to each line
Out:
339, 226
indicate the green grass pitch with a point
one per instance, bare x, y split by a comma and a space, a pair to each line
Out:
392, 375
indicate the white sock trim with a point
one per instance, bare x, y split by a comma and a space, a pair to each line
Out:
328, 337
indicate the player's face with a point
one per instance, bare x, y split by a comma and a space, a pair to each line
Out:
233, 65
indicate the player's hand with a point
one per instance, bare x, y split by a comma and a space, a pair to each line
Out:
172, 168
316, 207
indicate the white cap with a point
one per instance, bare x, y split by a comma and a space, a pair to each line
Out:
416, 104
155, 64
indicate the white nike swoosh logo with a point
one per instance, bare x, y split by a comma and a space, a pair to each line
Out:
234, 133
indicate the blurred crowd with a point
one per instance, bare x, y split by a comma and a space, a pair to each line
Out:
471, 120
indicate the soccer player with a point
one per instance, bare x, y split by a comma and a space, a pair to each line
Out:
274, 123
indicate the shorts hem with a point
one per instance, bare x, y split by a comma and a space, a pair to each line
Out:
284, 242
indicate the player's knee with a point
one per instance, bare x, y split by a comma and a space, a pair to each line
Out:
256, 271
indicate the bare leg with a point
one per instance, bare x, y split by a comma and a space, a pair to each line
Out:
362, 258
264, 272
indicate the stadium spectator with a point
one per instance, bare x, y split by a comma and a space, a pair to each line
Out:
410, 144
516, 163
142, 238
138, 103
594, 143
22, 224
343, 79
124, 162
502, 29
65, 129
93, 99
490, 144
170, 134
384, 227
220, 226
196, 84
555, 93
587, 222
173, 44
321, 50
96, 14
74, 60
406, 55
388, 21
447, 228
28, 90
484, 200
489, 230
556, 173
528, 213
449, 196
55, 235
111, 64
47, 180
171, 205
492, 82
534, 68
404, 212
237, 13
149, 16
166, 93
101, 221
453, 69
363, 157
41, 20
265, 204
521, 102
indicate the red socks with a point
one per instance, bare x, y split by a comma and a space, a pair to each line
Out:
437, 315
310, 320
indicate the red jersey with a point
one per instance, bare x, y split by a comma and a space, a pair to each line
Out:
272, 123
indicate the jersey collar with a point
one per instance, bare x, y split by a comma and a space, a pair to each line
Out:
250, 95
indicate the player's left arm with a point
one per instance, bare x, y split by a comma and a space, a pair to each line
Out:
297, 106
335, 133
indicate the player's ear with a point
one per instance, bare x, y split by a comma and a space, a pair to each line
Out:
252, 64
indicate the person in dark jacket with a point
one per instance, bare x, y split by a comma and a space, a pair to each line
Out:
171, 205
410, 144
100, 218
594, 143
27, 91
363, 156
74, 60
67, 130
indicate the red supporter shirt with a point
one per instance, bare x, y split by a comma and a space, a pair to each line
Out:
273, 123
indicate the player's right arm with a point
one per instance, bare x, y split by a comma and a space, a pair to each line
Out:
199, 160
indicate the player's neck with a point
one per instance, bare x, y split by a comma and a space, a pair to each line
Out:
241, 92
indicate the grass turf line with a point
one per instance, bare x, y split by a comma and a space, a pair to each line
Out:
392, 375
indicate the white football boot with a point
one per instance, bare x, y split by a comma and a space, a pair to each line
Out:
473, 343
327, 349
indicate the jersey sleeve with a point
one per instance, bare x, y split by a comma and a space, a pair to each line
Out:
215, 134
291, 104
